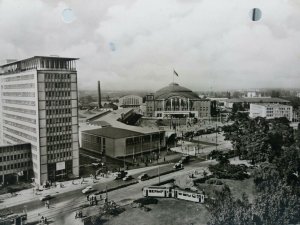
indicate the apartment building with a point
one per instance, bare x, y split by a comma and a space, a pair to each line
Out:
39, 106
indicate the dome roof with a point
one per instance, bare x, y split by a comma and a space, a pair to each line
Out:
174, 89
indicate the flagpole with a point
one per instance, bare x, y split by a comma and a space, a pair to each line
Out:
173, 75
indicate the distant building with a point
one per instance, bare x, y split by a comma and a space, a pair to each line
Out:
271, 111
130, 101
117, 142
39, 106
253, 94
229, 102
15, 162
176, 101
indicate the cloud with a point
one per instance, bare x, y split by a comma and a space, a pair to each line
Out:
135, 44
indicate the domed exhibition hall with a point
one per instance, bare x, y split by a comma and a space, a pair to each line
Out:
177, 102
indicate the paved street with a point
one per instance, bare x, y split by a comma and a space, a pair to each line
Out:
61, 211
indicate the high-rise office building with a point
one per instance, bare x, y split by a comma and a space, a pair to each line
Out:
39, 106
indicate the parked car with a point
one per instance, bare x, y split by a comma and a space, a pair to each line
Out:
127, 177
120, 175
88, 189
185, 158
178, 166
45, 197
143, 177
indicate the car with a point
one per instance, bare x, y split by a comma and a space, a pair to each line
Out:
178, 166
128, 177
120, 175
88, 189
185, 158
45, 197
143, 177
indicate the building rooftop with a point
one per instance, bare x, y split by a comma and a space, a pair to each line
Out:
174, 89
271, 105
39, 57
113, 132
39, 63
257, 100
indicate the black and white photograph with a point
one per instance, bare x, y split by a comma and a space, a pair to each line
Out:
149, 112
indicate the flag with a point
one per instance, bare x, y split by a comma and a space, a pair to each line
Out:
175, 73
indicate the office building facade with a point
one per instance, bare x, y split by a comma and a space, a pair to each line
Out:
271, 111
117, 142
39, 105
15, 162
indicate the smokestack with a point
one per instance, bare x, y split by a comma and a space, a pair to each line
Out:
99, 95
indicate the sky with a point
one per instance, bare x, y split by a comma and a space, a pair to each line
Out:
136, 44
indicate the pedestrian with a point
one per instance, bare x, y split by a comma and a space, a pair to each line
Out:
88, 197
76, 215
164, 158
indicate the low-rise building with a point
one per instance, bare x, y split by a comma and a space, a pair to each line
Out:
130, 101
264, 100
271, 111
15, 162
118, 142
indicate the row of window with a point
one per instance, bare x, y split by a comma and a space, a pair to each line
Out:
4, 149
13, 138
59, 155
59, 138
21, 134
19, 94
15, 166
17, 78
20, 110
51, 76
58, 102
58, 93
59, 129
58, 111
14, 157
58, 85
19, 86
19, 102
21, 126
59, 120
59, 146
20, 118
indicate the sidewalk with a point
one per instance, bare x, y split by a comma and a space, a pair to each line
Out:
28, 195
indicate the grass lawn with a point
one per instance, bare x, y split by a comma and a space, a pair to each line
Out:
238, 187
166, 212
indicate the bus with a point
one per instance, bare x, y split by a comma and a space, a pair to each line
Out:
157, 191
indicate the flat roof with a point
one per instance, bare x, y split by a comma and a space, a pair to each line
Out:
271, 105
256, 100
39, 57
113, 132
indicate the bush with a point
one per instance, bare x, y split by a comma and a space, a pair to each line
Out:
228, 171
214, 181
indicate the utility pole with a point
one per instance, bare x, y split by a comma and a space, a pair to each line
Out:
216, 138
158, 175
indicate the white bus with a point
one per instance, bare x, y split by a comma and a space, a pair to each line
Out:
157, 191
